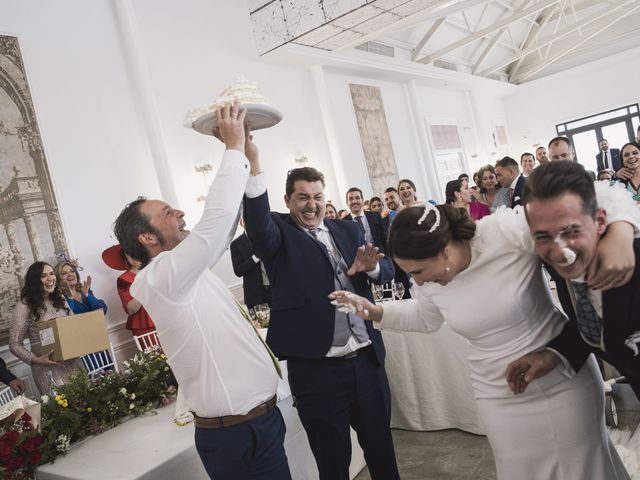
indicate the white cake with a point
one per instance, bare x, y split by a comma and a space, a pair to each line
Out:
244, 90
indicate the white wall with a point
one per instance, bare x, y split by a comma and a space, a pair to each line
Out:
92, 118
537, 107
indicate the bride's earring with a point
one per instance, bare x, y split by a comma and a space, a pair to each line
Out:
447, 269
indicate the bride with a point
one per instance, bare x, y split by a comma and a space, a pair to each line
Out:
556, 429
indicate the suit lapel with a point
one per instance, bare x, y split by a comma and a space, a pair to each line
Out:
304, 234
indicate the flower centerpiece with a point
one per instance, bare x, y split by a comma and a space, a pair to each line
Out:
83, 407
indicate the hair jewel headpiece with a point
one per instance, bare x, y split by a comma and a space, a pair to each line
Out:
62, 257
430, 208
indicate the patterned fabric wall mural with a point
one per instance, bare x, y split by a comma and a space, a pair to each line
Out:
374, 136
30, 227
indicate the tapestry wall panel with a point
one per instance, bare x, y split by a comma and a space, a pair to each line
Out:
30, 226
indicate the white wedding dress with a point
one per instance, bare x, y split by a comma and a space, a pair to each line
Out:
501, 303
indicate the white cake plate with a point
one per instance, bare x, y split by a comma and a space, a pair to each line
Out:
259, 116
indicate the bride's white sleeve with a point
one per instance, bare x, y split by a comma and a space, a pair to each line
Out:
417, 314
618, 204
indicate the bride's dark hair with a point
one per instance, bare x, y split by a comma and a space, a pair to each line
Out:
33, 293
412, 241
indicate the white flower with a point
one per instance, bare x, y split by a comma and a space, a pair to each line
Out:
126, 363
44, 399
133, 396
123, 391
132, 406
62, 443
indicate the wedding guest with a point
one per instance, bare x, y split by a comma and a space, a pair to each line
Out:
226, 373
8, 378
335, 361
79, 295
375, 205
541, 155
407, 192
40, 300
332, 213
606, 175
630, 155
459, 196
488, 186
138, 321
528, 163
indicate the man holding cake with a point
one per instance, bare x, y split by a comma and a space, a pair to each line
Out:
226, 373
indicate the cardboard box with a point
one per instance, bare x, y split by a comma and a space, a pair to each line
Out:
74, 335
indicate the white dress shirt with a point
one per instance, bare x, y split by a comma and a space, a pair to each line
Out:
221, 365
368, 236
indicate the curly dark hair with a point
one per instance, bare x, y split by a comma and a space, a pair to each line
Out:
32, 293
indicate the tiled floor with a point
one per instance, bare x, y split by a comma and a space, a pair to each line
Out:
452, 454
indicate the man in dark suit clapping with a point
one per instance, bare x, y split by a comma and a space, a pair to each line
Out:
335, 359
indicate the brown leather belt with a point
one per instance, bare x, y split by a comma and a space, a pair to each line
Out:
231, 420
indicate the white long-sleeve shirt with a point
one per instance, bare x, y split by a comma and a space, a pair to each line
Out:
221, 365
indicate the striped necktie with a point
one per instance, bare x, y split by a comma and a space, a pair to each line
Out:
589, 322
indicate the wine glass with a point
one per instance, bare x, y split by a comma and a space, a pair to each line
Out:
398, 290
378, 292
262, 314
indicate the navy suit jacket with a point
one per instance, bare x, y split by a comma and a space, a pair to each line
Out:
5, 374
517, 192
301, 275
615, 160
244, 266
620, 320
378, 230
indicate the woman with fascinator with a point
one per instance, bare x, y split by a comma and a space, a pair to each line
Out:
556, 429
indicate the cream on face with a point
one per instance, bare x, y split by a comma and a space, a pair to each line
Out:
569, 255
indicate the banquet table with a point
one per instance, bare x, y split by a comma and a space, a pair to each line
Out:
429, 380
154, 447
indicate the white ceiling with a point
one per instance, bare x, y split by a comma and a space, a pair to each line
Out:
514, 40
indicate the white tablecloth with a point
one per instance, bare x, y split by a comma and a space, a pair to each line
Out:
429, 380
155, 448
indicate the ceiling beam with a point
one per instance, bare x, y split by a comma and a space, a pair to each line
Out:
442, 9
486, 31
545, 17
605, 25
489, 48
552, 38
427, 36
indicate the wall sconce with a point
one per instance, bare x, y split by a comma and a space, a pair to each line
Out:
204, 169
301, 160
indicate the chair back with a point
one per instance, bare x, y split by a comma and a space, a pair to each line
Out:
147, 341
6, 395
99, 362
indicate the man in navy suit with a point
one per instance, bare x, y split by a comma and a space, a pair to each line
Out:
566, 225
247, 266
335, 360
369, 222
10, 379
508, 174
608, 158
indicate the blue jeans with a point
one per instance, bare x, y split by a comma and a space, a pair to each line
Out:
251, 450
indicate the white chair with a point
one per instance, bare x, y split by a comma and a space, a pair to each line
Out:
98, 362
6, 395
147, 341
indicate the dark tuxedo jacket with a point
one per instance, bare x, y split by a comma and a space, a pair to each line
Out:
616, 164
517, 192
5, 374
244, 266
301, 275
378, 230
620, 320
